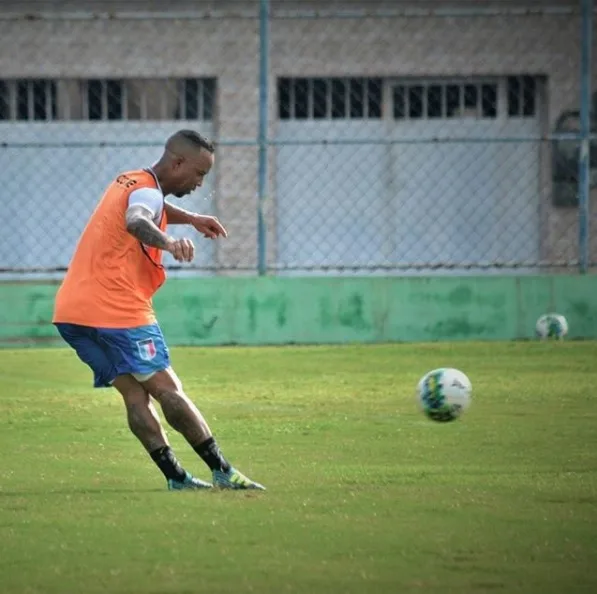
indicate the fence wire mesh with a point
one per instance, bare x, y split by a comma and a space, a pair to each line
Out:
399, 140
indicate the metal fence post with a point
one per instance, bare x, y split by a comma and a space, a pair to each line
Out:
584, 161
263, 121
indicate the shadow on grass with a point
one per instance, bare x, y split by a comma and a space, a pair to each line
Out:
79, 491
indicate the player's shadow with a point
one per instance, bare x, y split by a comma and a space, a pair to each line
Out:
86, 491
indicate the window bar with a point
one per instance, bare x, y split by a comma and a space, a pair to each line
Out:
502, 99
347, 95
406, 93
461, 108
124, 94
523, 95
12, 100
83, 94
64, 108
104, 93
181, 87
48, 99
30, 101
200, 99
182, 103
478, 100
387, 101
143, 103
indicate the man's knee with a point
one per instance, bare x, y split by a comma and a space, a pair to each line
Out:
132, 392
164, 385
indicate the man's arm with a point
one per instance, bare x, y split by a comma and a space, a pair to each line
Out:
208, 225
139, 224
178, 216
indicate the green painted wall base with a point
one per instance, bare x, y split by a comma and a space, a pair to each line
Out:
276, 310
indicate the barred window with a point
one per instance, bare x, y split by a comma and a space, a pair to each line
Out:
108, 99
28, 99
444, 100
329, 98
521, 96
196, 98
514, 96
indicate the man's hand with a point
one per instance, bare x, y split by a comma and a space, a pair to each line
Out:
183, 250
209, 226
139, 223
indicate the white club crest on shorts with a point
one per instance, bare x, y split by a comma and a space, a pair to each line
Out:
147, 350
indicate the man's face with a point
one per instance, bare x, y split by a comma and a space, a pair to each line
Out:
189, 170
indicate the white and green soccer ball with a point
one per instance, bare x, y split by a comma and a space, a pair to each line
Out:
551, 325
444, 394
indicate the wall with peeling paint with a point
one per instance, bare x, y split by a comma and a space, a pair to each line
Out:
214, 311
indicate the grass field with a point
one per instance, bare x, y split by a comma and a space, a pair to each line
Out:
364, 494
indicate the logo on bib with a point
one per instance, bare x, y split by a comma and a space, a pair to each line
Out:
147, 350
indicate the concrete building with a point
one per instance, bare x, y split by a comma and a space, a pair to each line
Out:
89, 88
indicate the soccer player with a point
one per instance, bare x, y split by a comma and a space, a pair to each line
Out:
103, 307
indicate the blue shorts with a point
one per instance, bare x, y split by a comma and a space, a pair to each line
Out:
117, 351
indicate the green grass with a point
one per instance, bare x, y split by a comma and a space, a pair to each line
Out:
364, 494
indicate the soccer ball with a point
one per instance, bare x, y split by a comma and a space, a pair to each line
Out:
444, 394
551, 325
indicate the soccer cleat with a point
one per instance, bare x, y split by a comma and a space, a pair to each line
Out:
189, 482
233, 479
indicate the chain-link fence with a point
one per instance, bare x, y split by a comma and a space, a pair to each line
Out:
353, 137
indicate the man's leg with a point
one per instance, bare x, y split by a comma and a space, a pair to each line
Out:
144, 423
142, 417
182, 414
142, 353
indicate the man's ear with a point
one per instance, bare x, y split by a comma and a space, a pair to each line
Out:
178, 162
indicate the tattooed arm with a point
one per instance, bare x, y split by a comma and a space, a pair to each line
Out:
139, 224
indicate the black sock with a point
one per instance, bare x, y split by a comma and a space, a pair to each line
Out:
211, 455
166, 461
